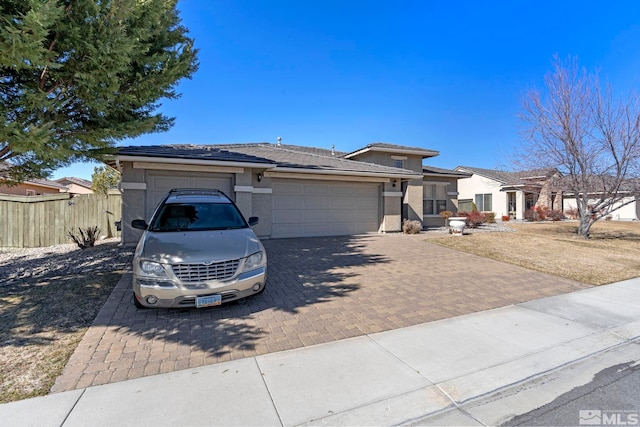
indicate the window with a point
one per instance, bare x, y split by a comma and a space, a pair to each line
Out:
434, 199
465, 205
483, 202
398, 164
31, 192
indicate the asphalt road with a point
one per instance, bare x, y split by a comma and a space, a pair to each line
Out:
612, 398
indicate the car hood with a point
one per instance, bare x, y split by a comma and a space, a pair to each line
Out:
198, 246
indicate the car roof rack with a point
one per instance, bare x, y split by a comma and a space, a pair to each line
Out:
195, 192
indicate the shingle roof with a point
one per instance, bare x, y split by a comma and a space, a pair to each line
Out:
508, 178
386, 147
294, 156
189, 151
283, 156
46, 183
4, 166
432, 170
79, 181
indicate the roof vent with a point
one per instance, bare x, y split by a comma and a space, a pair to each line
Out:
333, 149
279, 141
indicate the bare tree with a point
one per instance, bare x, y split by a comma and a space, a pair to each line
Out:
591, 137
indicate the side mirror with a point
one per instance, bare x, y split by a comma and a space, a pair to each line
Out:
254, 220
140, 224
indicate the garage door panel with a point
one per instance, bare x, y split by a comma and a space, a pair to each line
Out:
288, 202
339, 228
315, 190
314, 217
287, 188
343, 203
287, 217
324, 208
314, 202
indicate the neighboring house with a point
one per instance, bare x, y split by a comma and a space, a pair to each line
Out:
295, 191
76, 185
38, 187
508, 193
628, 207
33, 187
440, 193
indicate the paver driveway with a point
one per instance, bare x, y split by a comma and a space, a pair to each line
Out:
319, 290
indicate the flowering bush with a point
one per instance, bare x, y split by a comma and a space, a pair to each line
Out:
542, 213
572, 213
555, 215
474, 218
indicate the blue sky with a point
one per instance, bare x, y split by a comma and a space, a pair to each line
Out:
442, 75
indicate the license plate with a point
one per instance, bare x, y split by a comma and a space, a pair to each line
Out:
208, 301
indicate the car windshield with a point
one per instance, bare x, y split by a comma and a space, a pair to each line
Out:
197, 216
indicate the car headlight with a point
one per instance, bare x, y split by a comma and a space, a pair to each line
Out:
151, 268
253, 261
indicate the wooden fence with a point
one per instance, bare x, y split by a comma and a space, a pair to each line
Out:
37, 221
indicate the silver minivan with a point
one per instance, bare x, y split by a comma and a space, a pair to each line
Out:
197, 251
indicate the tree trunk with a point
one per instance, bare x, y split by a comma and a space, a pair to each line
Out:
585, 225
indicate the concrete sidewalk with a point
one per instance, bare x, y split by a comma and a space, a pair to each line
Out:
435, 373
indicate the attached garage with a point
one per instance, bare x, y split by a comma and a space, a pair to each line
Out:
159, 183
296, 191
324, 208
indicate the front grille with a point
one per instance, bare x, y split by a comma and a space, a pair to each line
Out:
193, 273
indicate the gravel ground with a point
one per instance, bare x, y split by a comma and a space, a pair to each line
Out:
60, 260
483, 228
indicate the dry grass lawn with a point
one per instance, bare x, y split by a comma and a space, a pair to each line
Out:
610, 255
46, 306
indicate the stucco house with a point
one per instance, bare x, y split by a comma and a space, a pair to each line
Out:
33, 187
76, 185
508, 193
626, 209
295, 191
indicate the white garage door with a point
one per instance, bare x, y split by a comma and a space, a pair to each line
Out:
159, 183
323, 208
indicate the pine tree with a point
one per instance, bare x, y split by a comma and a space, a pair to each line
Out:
76, 76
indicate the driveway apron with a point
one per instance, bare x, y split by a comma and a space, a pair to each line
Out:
318, 290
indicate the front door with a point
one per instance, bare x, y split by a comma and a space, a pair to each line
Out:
404, 201
511, 204
529, 201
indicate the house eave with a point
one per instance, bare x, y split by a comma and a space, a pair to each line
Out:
344, 173
428, 153
444, 175
520, 187
183, 161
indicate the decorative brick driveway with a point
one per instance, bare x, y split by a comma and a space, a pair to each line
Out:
319, 290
